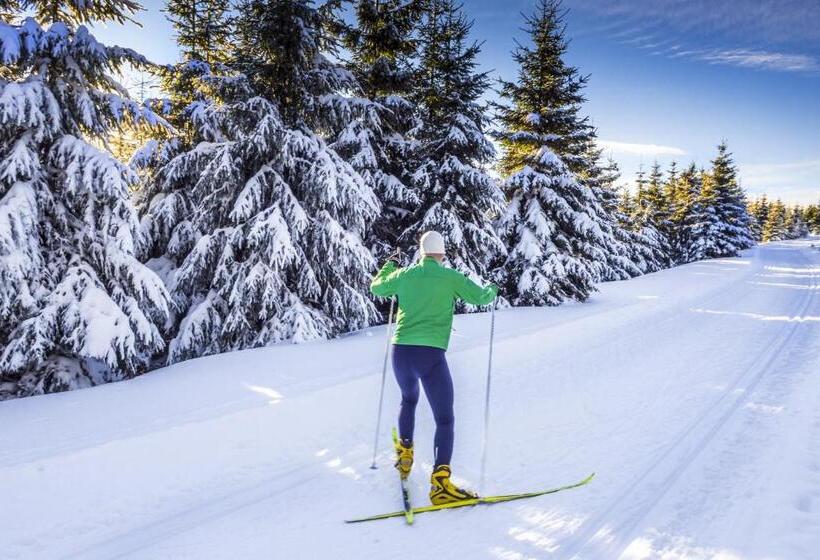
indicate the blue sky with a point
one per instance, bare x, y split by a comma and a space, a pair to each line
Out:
668, 78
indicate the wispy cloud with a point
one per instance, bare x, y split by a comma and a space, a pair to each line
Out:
639, 149
758, 59
769, 20
741, 33
782, 62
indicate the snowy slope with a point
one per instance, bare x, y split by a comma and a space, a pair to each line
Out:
693, 393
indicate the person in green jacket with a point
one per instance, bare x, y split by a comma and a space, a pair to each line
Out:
426, 294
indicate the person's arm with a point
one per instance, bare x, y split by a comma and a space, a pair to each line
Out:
471, 292
385, 283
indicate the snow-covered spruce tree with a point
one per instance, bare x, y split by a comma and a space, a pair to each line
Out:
166, 204
722, 226
459, 199
376, 141
202, 30
626, 260
705, 226
731, 202
775, 228
194, 90
653, 216
623, 260
795, 224
76, 307
636, 253
552, 239
270, 248
759, 211
649, 217
656, 206
557, 233
645, 249
812, 216
684, 195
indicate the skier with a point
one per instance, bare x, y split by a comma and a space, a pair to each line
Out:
426, 296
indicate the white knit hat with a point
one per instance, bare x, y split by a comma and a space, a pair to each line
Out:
432, 243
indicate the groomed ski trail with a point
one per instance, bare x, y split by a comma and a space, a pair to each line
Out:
607, 535
688, 391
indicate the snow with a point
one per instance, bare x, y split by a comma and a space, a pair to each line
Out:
9, 43
691, 392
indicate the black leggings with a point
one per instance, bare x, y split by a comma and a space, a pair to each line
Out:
428, 364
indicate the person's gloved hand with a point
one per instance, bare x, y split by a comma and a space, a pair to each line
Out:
395, 256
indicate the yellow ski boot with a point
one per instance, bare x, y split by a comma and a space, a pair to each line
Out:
404, 458
442, 491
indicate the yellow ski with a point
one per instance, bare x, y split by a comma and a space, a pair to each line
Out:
474, 501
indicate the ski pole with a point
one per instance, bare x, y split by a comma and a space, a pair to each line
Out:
384, 376
487, 400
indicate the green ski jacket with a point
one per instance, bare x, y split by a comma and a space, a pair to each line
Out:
427, 293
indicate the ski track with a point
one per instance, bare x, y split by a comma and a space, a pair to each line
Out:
285, 479
601, 538
134, 540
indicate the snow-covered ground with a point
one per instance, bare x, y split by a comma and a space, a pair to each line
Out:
694, 393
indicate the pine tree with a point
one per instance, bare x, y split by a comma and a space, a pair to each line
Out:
553, 242
645, 248
262, 221
685, 194
628, 258
656, 203
759, 211
202, 28
458, 197
76, 307
558, 235
722, 227
649, 219
704, 231
287, 50
796, 227
195, 89
377, 140
626, 208
775, 228
671, 194
383, 47
653, 218
812, 216
639, 207
735, 231
547, 99
165, 199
